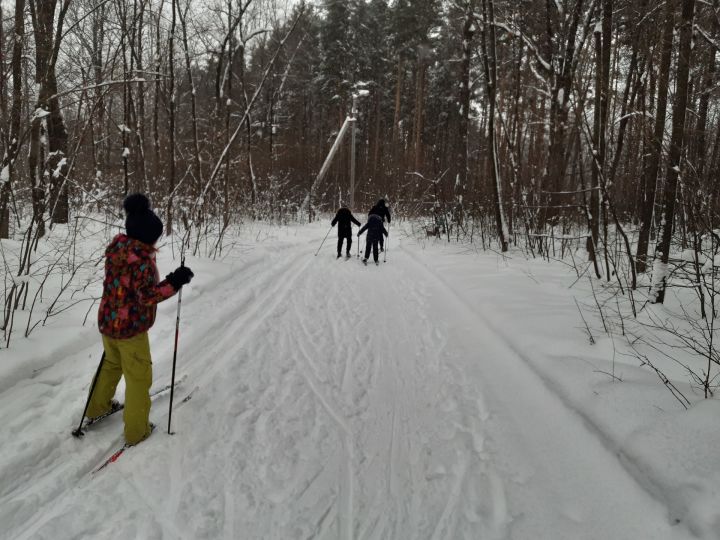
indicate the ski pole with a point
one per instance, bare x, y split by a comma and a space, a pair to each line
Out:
321, 245
387, 244
79, 432
177, 334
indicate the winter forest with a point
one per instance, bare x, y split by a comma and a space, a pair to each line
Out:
545, 320
522, 119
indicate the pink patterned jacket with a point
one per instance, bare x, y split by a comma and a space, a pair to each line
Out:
131, 289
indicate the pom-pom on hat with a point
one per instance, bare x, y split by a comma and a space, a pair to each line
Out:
141, 222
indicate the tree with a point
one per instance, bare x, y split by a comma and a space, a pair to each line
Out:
652, 163
657, 292
50, 163
12, 146
490, 62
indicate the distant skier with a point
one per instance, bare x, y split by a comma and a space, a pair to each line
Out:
344, 219
376, 230
131, 290
381, 209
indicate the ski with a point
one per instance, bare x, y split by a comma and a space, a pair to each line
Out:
112, 459
116, 455
155, 393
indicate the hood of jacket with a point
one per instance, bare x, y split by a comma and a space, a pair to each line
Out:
124, 251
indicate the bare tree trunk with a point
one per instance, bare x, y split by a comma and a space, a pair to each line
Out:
248, 142
607, 10
700, 141
98, 34
594, 187
36, 157
657, 292
603, 37
560, 99
376, 137
171, 127
125, 153
490, 63
419, 110
3, 80
228, 103
156, 104
650, 172
13, 146
460, 179
193, 99
139, 112
47, 40
629, 95
397, 150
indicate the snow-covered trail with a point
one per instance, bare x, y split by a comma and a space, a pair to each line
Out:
332, 401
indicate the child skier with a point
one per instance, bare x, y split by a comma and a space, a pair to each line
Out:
344, 219
375, 231
381, 209
131, 290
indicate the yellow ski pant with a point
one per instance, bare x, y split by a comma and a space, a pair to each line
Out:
129, 358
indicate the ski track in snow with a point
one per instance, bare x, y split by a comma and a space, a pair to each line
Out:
334, 401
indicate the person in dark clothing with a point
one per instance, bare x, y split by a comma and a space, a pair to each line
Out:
344, 219
381, 209
375, 230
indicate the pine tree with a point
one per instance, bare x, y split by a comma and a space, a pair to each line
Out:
337, 62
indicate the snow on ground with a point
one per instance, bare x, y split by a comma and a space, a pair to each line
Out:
446, 394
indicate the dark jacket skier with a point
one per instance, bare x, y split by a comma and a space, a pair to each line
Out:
375, 230
381, 209
344, 220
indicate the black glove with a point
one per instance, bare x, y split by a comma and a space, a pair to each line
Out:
181, 276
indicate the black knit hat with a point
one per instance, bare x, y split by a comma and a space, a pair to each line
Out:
141, 222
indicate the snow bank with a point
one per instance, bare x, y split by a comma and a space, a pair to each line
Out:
671, 452
678, 451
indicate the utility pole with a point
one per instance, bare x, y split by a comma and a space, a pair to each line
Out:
350, 123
